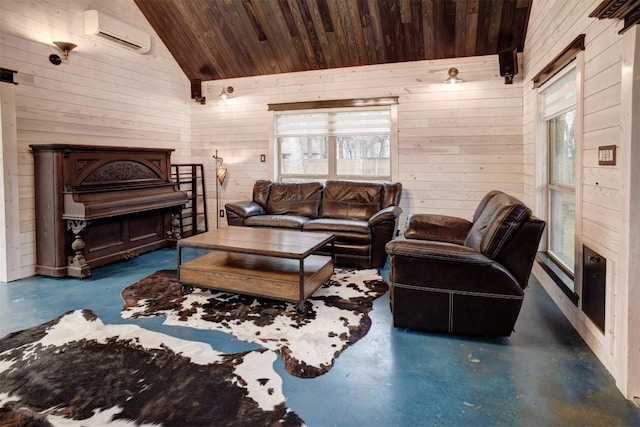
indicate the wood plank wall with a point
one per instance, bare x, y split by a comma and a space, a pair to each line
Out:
103, 95
456, 142
553, 25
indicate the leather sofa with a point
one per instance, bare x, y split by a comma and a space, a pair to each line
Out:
362, 215
457, 276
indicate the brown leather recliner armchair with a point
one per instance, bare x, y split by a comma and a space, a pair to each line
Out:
468, 277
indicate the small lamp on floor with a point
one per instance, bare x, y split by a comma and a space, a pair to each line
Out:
221, 175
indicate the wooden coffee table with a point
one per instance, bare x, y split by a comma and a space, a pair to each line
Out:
265, 262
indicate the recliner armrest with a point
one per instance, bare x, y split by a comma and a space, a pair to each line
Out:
443, 251
448, 266
440, 228
387, 214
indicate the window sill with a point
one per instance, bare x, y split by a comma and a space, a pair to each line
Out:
562, 279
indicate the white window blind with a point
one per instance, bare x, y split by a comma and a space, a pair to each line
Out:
342, 123
560, 96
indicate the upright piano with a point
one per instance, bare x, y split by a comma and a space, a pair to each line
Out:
99, 204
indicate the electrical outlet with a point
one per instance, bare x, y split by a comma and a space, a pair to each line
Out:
263, 158
221, 213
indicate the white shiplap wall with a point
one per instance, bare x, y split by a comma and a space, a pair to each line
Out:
553, 25
455, 142
103, 95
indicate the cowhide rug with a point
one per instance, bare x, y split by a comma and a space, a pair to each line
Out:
337, 315
75, 370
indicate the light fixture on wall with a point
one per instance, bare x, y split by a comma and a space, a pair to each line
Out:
453, 76
65, 48
226, 92
221, 175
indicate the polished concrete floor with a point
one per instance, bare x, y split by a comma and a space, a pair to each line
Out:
543, 375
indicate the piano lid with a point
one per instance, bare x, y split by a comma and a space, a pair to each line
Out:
106, 181
94, 205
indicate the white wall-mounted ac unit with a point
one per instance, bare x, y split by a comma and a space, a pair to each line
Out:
125, 35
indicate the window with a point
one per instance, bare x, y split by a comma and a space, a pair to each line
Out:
352, 143
559, 115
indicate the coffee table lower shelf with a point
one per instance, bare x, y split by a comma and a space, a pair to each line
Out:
257, 275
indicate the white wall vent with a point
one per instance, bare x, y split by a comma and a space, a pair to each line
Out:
125, 35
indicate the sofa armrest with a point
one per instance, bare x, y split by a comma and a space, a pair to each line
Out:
387, 214
237, 212
440, 228
382, 226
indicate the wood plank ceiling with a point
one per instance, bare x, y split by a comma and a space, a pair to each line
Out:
220, 39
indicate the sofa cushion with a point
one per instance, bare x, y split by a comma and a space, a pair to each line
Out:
334, 224
278, 221
391, 194
351, 200
302, 199
345, 230
261, 192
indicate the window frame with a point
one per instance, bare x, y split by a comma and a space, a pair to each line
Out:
332, 107
569, 282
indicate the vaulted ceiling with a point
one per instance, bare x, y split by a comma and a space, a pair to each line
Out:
220, 39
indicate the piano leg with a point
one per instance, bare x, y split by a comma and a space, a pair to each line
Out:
174, 234
78, 266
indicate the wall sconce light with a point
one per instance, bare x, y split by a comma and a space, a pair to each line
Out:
65, 48
226, 92
453, 77
221, 175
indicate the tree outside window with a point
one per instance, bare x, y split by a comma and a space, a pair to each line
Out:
354, 144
